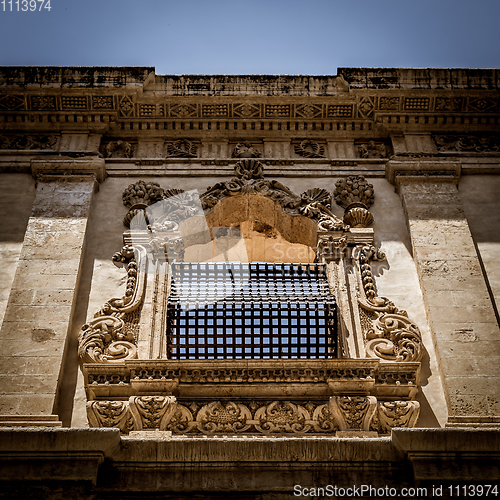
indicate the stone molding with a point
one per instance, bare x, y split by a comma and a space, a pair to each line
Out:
59, 168
421, 170
253, 378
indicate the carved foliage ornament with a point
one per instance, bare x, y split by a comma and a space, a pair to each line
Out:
351, 413
183, 148
245, 150
309, 149
467, 143
389, 333
118, 149
27, 141
314, 203
111, 336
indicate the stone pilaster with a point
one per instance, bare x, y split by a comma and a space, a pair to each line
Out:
459, 308
42, 299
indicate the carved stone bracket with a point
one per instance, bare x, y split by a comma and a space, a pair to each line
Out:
388, 332
111, 336
353, 412
340, 413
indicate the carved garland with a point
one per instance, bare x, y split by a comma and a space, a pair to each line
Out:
388, 332
340, 413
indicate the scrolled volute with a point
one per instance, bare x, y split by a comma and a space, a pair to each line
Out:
389, 333
105, 338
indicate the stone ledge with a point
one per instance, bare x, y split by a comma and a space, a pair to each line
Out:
422, 171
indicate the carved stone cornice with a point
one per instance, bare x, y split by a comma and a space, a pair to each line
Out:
253, 378
59, 167
422, 170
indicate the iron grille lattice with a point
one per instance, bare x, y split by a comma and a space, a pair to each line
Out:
250, 311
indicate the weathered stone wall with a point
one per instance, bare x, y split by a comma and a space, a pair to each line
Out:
18, 192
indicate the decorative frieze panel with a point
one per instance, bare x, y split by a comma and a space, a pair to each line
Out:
339, 413
309, 149
117, 149
12, 102
468, 143
111, 336
183, 148
373, 149
22, 141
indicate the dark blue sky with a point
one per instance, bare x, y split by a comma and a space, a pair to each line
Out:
253, 36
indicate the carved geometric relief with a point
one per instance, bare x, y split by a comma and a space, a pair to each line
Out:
246, 110
183, 110
102, 102
74, 102
389, 103
12, 102
366, 107
126, 106
339, 110
482, 104
43, 103
308, 111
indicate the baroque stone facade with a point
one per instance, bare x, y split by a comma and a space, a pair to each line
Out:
377, 189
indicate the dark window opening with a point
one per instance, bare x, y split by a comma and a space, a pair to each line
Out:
250, 311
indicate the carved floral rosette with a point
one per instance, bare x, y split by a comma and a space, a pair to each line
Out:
111, 336
388, 332
340, 413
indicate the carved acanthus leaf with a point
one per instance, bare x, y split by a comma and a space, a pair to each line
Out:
183, 148
152, 412
353, 412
